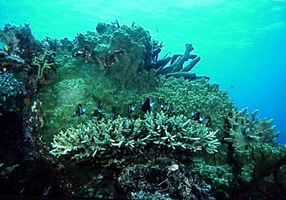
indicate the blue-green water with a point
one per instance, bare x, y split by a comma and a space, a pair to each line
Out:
242, 43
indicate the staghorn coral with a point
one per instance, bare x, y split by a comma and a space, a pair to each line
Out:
245, 129
97, 139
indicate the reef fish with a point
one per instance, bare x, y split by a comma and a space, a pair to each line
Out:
202, 120
147, 105
131, 108
4, 47
80, 110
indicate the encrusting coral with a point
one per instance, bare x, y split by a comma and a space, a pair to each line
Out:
97, 139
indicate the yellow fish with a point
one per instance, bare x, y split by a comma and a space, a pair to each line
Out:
4, 47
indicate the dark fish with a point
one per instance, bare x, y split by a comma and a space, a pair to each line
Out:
99, 105
202, 120
146, 107
97, 113
80, 110
195, 116
167, 107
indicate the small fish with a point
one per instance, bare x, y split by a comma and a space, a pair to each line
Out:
170, 108
206, 121
131, 108
202, 120
97, 113
167, 107
4, 47
195, 116
147, 105
99, 105
47, 191
80, 110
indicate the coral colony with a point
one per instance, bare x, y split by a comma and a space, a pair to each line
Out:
105, 116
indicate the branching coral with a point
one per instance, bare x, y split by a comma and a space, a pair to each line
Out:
198, 96
218, 176
245, 129
258, 161
176, 68
98, 138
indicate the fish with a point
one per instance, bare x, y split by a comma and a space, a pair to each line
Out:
97, 113
131, 108
202, 120
80, 110
195, 116
147, 105
47, 191
4, 47
167, 107
99, 105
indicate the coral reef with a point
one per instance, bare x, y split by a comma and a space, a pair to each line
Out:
258, 165
147, 130
245, 129
125, 51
